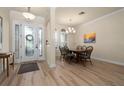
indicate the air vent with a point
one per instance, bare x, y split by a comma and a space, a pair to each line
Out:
81, 13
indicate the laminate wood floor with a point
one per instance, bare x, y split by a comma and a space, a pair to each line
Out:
100, 73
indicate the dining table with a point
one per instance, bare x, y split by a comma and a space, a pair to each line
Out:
77, 52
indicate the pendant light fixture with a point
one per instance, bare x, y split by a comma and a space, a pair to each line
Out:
28, 15
70, 29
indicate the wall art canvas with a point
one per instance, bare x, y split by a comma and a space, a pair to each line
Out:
90, 37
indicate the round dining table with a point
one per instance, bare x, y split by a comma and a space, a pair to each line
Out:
77, 52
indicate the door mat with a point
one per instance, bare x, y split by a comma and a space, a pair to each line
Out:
28, 67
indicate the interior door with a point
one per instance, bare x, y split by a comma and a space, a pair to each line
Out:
29, 43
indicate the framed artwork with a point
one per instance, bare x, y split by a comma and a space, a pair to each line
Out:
1, 30
90, 37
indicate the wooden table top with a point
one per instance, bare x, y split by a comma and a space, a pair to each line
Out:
76, 50
5, 53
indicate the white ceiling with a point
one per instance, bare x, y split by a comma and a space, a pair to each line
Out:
63, 14
39, 11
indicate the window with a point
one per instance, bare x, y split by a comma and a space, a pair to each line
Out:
40, 41
56, 39
60, 39
1, 19
63, 38
17, 40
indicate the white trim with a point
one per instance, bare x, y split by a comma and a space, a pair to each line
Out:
109, 61
102, 17
52, 65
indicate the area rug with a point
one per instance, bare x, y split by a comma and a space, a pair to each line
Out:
28, 67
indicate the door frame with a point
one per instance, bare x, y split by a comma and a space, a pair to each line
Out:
20, 40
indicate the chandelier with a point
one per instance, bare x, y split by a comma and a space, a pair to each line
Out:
70, 29
28, 15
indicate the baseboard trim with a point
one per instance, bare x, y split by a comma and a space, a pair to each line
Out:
109, 61
52, 66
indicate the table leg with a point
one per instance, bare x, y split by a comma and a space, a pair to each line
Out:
3, 64
13, 61
7, 67
78, 59
84, 63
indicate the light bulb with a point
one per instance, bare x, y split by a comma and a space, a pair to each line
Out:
72, 28
74, 31
69, 28
66, 31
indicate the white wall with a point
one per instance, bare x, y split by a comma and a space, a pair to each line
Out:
4, 13
70, 41
109, 30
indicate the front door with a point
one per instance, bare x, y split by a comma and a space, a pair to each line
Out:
30, 44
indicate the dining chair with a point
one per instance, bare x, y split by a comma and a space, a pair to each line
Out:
79, 47
83, 47
87, 56
69, 55
66, 47
83, 53
62, 51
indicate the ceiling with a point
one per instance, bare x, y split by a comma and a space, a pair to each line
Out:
39, 11
63, 14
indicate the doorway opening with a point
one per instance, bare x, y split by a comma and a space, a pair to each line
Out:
28, 42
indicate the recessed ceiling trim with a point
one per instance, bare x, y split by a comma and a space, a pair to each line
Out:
102, 17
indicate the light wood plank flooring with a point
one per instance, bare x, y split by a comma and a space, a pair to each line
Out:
100, 73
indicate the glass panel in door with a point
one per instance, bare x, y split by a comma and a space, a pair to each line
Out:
32, 43
40, 42
17, 41
29, 41
28, 44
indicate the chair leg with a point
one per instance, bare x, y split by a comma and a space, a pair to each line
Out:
3, 64
69, 60
84, 62
63, 58
60, 57
91, 62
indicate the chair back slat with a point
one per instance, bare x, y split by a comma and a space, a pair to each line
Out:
64, 50
60, 49
83, 47
79, 47
89, 50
